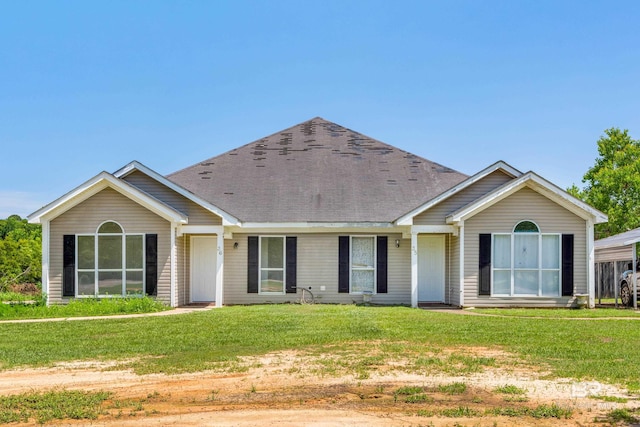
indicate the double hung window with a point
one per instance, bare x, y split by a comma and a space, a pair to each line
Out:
272, 265
363, 264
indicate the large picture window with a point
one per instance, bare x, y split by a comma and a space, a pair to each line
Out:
363, 264
272, 265
526, 262
110, 262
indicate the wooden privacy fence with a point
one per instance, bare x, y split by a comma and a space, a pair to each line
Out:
607, 278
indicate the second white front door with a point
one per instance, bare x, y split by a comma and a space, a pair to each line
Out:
203, 268
431, 266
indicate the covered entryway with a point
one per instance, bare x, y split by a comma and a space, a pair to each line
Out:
203, 268
431, 268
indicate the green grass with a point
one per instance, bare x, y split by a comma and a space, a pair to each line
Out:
44, 407
18, 297
453, 388
541, 411
510, 389
409, 390
623, 415
598, 350
81, 307
560, 313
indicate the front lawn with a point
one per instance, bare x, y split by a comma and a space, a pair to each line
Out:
599, 349
561, 313
16, 308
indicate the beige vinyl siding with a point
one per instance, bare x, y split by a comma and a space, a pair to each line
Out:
317, 265
436, 215
525, 204
196, 213
85, 217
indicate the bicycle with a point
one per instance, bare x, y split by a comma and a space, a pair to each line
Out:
307, 295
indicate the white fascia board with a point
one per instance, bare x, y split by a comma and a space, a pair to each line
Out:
407, 219
98, 183
227, 219
538, 184
279, 225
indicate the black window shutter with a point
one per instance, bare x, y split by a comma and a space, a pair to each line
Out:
484, 275
292, 253
252, 265
69, 266
343, 264
151, 264
381, 265
567, 265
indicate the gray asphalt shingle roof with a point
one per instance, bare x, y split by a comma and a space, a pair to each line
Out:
317, 171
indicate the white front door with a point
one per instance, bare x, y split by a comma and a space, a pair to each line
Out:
431, 268
203, 268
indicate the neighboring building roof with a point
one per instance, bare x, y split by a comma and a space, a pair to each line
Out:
317, 171
619, 240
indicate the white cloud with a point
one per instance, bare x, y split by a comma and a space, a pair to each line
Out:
19, 203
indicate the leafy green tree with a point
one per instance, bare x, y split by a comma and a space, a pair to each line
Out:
20, 251
612, 184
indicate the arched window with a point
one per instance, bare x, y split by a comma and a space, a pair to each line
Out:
110, 227
526, 262
110, 262
526, 227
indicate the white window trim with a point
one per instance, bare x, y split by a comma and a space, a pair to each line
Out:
539, 269
375, 263
284, 266
96, 271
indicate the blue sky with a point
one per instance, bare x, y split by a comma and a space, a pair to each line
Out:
87, 86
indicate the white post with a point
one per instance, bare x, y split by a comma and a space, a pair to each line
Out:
45, 259
220, 270
591, 282
172, 256
461, 264
414, 269
615, 281
635, 277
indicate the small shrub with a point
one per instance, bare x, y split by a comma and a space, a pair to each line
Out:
622, 415
614, 399
509, 389
460, 411
409, 390
44, 407
453, 388
550, 411
418, 398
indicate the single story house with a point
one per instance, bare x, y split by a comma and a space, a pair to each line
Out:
324, 207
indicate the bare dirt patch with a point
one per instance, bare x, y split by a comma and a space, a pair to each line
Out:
292, 388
